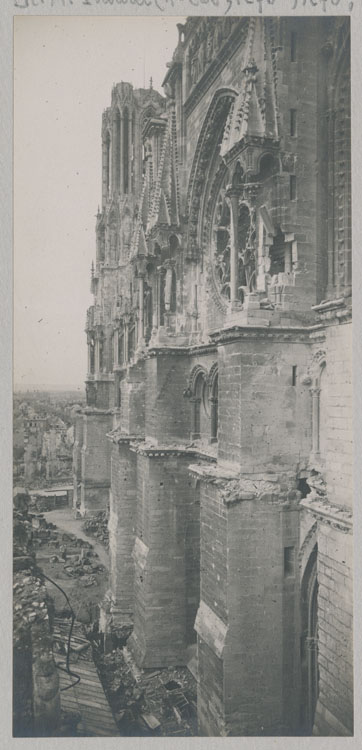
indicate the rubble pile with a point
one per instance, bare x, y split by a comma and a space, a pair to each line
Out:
35, 681
75, 555
97, 526
148, 702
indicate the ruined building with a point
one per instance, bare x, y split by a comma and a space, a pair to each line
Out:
218, 418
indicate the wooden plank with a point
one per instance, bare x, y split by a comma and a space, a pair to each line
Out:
87, 711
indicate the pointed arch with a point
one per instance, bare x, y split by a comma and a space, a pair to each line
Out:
309, 642
194, 374
208, 146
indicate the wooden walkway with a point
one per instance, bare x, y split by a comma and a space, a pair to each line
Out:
87, 698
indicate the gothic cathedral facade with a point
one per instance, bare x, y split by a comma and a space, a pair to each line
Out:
218, 421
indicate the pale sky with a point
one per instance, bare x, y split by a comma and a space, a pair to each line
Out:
64, 71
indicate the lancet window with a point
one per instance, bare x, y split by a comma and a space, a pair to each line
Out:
203, 390
234, 239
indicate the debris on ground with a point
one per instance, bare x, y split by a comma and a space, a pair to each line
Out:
148, 702
97, 526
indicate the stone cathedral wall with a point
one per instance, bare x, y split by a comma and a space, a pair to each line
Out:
218, 425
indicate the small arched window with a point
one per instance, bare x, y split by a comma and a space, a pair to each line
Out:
202, 405
199, 387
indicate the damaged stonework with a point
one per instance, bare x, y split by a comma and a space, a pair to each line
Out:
269, 487
36, 709
318, 504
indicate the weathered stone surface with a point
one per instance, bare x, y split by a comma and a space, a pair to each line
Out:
220, 369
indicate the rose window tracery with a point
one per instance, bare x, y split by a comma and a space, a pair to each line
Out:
246, 249
241, 230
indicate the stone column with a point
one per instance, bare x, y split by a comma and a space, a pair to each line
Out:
155, 303
141, 310
315, 419
168, 288
214, 418
158, 301
96, 354
115, 347
116, 390
195, 312
234, 246
114, 152
121, 155
105, 169
129, 151
125, 342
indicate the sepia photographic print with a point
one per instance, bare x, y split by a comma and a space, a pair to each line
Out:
182, 505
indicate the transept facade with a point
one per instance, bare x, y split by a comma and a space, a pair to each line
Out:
218, 422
